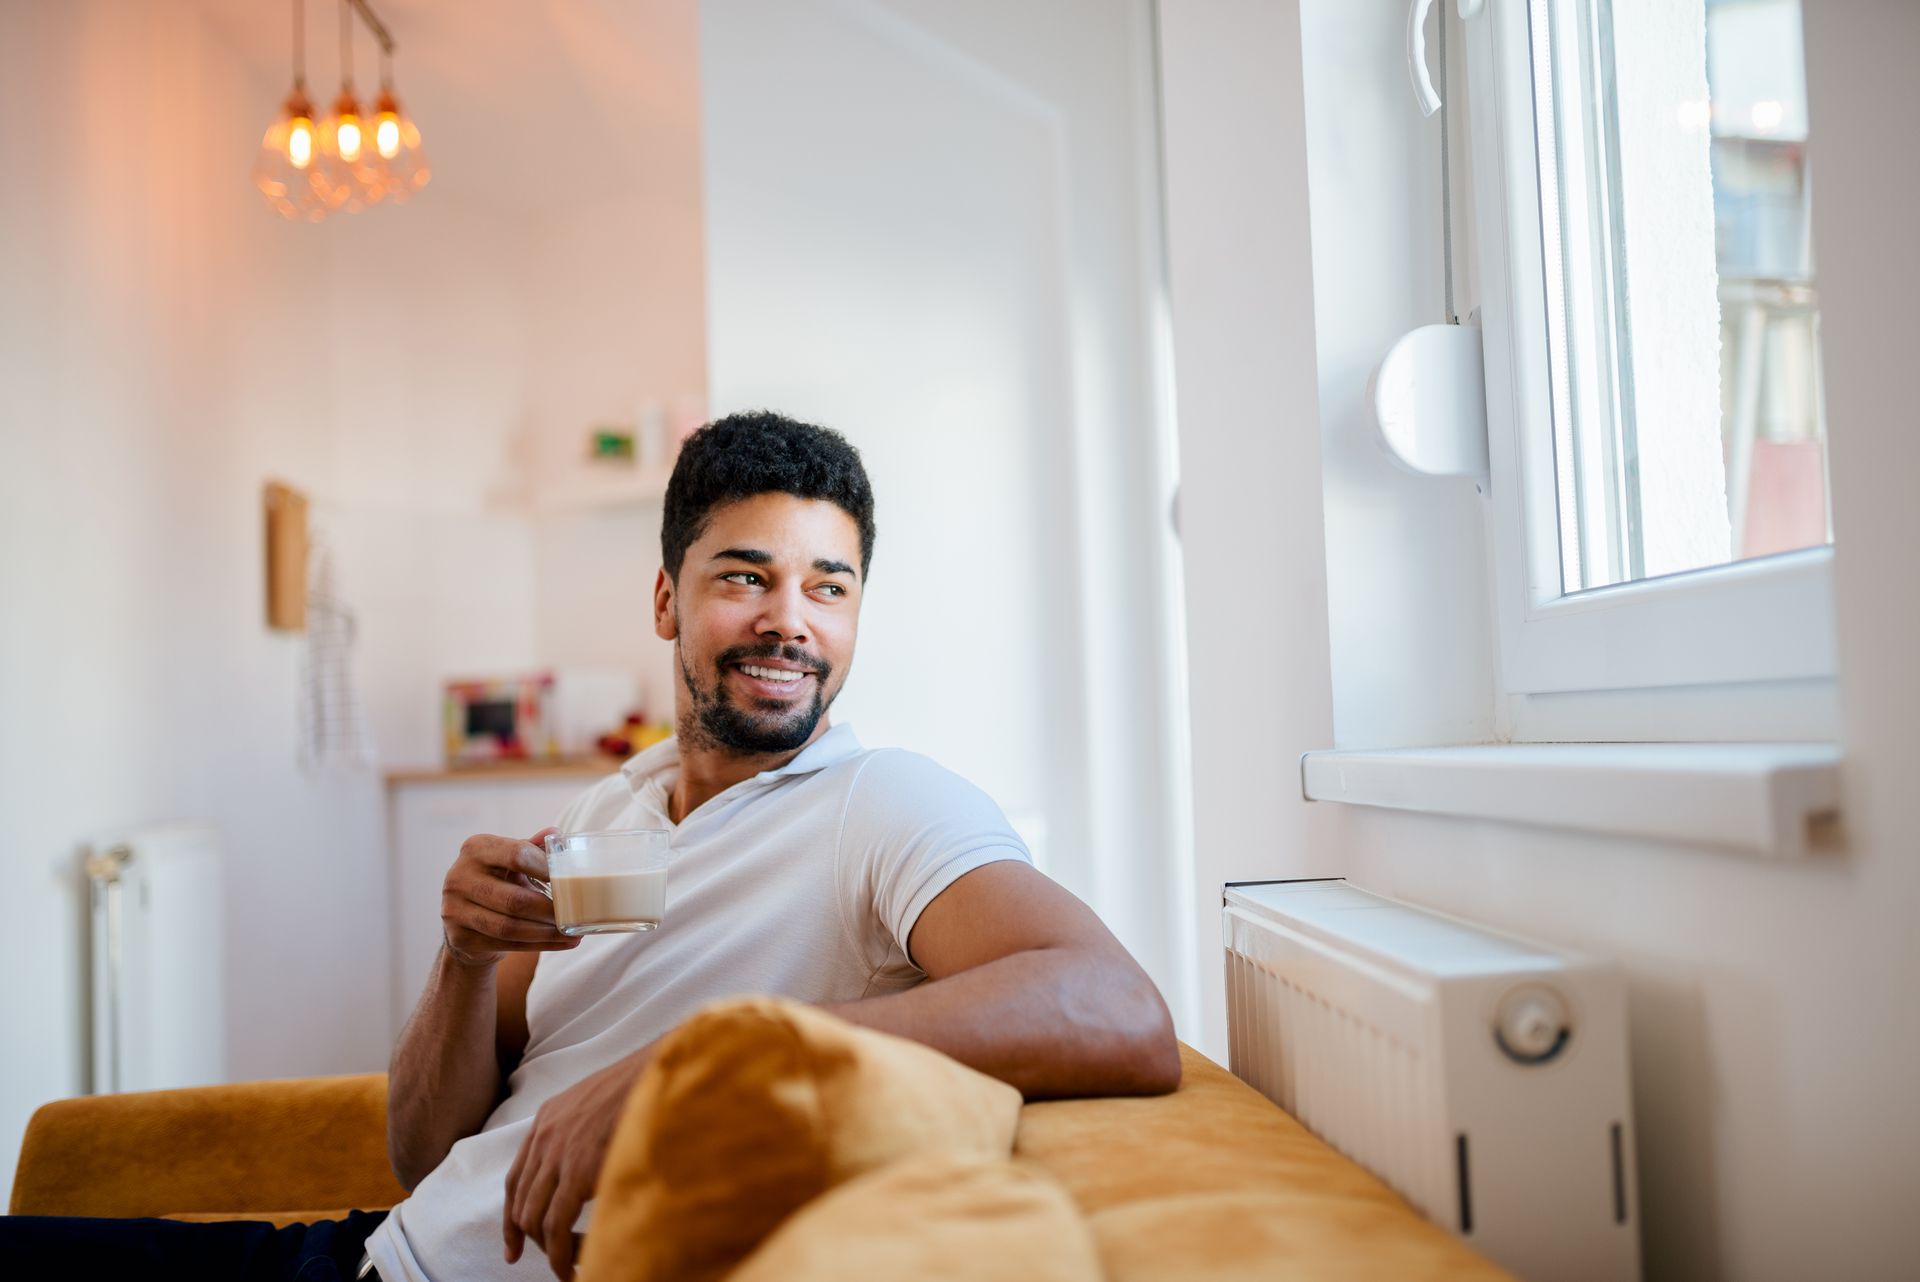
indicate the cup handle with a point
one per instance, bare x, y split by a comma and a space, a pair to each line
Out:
544, 885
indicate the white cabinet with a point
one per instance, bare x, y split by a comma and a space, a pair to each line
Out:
428, 815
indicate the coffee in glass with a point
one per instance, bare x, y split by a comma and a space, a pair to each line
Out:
608, 882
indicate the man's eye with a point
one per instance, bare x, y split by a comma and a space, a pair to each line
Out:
833, 588
741, 576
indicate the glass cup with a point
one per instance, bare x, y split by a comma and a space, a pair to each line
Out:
605, 883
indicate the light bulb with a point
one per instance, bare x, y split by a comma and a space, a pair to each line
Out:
348, 131
346, 173
386, 136
300, 142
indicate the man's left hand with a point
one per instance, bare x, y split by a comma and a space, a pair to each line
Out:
554, 1173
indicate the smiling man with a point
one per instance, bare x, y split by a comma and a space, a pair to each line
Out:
872, 883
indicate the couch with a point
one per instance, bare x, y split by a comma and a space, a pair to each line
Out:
1211, 1183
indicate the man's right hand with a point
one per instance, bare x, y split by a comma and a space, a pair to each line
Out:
489, 907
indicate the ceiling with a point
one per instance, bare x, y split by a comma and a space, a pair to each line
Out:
524, 105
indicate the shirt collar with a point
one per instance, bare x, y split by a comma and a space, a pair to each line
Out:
831, 748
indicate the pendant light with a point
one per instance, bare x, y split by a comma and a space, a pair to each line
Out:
287, 169
346, 179
351, 159
396, 139
391, 164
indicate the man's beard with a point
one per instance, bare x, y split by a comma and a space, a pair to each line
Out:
716, 719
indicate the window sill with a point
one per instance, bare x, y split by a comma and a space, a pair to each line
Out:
1778, 800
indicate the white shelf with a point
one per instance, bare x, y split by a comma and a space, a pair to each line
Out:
601, 488
1780, 800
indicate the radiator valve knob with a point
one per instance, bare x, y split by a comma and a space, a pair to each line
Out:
1533, 1024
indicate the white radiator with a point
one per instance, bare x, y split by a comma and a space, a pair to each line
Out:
1482, 1077
158, 968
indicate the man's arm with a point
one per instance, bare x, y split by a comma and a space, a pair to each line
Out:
470, 1027
1027, 985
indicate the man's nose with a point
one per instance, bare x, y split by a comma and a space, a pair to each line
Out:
785, 616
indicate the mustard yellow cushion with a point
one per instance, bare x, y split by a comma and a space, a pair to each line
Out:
253, 1150
756, 1106
1213, 1183
1264, 1236
933, 1219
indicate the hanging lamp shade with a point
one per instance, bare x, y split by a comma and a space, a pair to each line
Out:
396, 149
346, 177
287, 170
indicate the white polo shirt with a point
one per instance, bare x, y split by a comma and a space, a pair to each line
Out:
803, 882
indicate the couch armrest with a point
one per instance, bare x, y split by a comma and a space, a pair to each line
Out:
250, 1149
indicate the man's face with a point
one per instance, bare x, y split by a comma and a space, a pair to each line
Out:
763, 617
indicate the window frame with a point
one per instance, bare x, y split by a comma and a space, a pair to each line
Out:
1758, 624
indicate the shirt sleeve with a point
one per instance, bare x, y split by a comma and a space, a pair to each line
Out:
912, 828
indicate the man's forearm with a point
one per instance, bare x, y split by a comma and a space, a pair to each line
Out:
1050, 1021
445, 1076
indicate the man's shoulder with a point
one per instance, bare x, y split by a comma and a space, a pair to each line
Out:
873, 769
898, 789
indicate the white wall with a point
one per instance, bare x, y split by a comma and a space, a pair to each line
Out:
167, 344
1771, 1005
1406, 593
422, 353
1251, 509
616, 325
933, 227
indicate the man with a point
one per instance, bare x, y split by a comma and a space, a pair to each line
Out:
872, 883
804, 866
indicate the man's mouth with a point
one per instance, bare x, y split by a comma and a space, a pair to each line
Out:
775, 682
779, 676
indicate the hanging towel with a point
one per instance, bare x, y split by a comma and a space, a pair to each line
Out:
333, 720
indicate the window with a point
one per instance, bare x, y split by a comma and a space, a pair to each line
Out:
1681, 323
1652, 329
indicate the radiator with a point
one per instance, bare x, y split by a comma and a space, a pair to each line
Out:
1482, 1077
158, 982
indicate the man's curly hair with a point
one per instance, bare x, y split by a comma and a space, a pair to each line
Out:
760, 452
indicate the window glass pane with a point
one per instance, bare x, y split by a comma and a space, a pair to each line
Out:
1683, 322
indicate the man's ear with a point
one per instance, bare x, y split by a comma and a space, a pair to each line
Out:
665, 624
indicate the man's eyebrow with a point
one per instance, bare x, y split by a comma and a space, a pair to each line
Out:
752, 556
832, 567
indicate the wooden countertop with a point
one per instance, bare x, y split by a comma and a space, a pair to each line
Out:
498, 771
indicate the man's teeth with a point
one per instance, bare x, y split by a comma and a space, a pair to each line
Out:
770, 674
